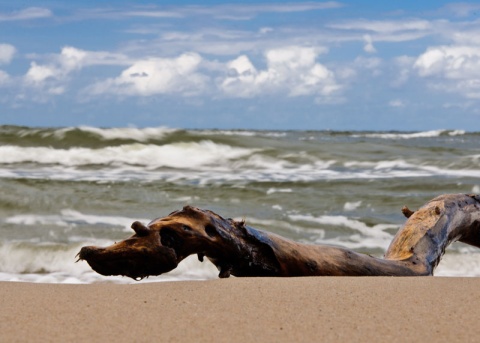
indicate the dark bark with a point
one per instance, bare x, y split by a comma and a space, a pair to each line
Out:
240, 250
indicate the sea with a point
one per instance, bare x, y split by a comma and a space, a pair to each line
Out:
64, 188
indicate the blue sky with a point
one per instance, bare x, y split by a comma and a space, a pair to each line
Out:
340, 65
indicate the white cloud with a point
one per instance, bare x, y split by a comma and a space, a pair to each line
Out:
403, 69
61, 66
292, 70
227, 11
383, 26
4, 78
265, 30
465, 37
248, 11
392, 31
157, 76
368, 47
72, 58
373, 64
282, 8
453, 62
38, 74
452, 68
26, 14
52, 77
154, 14
462, 9
7, 52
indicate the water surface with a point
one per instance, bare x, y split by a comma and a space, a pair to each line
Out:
63, 188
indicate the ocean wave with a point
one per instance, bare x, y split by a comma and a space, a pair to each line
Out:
377, 230
464, 264
127, 133
69, 218
54, 263
182, 171
410, 135
242, 133
130, 133
84, 136
177, 155
366, 237
50, 256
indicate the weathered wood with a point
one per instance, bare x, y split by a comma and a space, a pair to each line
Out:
240, 250
431, 229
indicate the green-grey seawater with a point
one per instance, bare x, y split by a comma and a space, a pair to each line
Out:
63, 188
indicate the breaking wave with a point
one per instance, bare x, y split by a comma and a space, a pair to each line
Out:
410, 135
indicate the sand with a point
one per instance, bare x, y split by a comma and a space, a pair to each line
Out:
321, 309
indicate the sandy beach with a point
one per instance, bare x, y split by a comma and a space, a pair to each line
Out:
245, 310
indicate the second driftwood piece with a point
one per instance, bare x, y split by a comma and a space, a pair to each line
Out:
240, 250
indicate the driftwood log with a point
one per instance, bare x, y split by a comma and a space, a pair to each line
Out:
240, 250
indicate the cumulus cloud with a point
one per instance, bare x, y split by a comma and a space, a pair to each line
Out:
52, 77
157, 76
452, 69
7, 52
453, 62
51, 74
38, 74
292, 70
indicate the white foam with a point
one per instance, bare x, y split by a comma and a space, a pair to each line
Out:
242, 133
376, 230
236, 171
141, 135
350, 206
178, 155
203, 162
53, 263
456, 133
68, 218
423, 134
368, 236
280, 225
27, 258
279, 190
459, 264
131, 133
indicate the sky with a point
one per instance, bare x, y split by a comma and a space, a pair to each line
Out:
283, 65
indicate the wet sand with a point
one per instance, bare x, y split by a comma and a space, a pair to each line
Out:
321, 309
